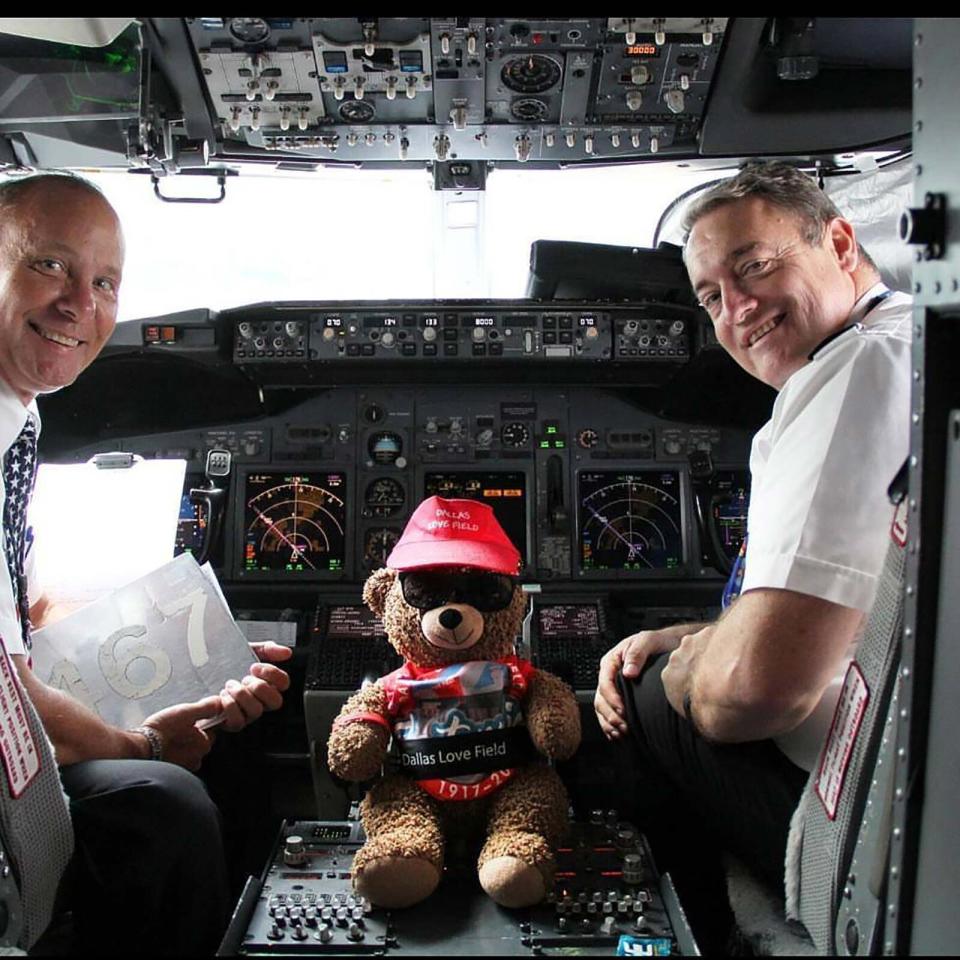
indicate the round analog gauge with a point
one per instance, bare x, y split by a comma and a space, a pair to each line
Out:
528, 109
530, 73
249, 29
357, 111
588, 438
384, 497
514, 434
377, 546
385, 447
296, 525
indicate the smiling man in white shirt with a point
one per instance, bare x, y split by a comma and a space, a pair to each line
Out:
148, 866
732, 714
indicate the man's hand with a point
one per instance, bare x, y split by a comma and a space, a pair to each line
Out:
677, 675
261, 689
630, 656
183, 742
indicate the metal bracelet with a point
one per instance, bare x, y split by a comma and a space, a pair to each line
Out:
153, 738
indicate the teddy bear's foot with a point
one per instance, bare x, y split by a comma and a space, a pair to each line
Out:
516, 868
395, 881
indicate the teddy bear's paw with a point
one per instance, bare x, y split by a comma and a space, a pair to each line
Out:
392, 881
511, 882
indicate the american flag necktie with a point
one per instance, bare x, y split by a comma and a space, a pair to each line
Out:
19, 474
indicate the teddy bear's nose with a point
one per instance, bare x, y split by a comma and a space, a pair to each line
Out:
450, 619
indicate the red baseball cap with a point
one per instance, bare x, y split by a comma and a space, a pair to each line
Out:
460, 533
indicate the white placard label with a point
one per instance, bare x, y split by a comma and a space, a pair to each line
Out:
843, 734
17, 747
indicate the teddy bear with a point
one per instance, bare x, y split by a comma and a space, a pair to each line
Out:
470, 721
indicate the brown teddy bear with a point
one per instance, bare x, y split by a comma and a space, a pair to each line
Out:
463, 711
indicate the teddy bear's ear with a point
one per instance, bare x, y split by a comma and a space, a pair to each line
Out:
376, 588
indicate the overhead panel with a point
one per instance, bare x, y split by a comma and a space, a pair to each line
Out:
553, 90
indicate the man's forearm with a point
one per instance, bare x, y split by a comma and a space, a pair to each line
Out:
75, 731
767, 664
725, 719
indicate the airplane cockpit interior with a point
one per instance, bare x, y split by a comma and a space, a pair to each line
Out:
375, 260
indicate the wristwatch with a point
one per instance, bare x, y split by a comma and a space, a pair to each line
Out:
153, 738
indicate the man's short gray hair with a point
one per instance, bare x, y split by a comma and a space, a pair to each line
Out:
14, 190
782, 186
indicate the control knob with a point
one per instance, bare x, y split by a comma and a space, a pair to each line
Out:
634, 100
588, 438
632, 868
676, 328
675, 101
388, 339
294, 851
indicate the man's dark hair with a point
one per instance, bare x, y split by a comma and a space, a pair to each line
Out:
782, 186
15, 190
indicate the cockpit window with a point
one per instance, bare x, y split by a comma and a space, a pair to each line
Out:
369, 234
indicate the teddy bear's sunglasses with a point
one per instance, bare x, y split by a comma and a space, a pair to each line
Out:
429, 589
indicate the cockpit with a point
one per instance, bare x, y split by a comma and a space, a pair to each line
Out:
345, 299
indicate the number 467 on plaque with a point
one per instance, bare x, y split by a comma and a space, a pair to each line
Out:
166, 638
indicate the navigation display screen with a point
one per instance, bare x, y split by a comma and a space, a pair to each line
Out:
351, 621
504, 491
575, 620
629, 521
294, 522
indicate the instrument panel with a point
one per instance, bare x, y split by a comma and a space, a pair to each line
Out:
589, 488
460, 331
457, 89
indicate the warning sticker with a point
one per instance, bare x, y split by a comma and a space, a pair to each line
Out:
843, 734
898, 529
17, 748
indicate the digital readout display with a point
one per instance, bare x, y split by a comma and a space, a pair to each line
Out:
729, 509
642, 50
505, 492
192, 522
630, 521
294, 523
353, 621
574, 620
